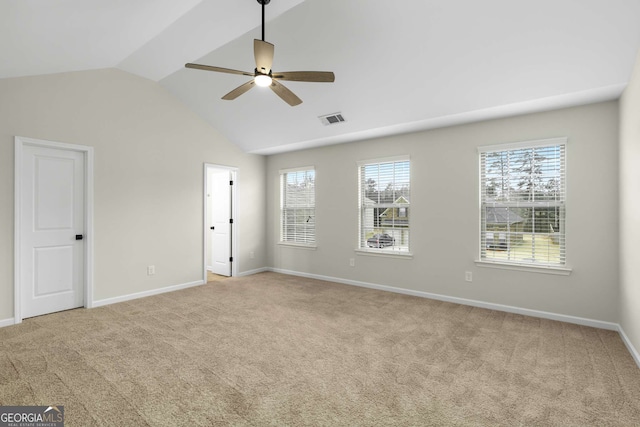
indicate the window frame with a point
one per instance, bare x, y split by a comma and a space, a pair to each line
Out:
282, 232
385, 252
562, 267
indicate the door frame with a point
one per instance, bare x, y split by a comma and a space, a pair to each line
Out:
234, 215
20, 143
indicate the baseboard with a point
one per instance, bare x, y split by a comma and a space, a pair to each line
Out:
625, 339
137, 295
256, 271
7, 322
481, 304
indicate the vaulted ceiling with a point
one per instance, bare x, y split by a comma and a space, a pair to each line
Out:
400, 66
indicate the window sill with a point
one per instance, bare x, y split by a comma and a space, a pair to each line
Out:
385, 254
544, 269
298, 246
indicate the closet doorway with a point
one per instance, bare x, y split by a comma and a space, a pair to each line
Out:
220, 227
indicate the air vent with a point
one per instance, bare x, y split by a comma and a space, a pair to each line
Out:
331, 119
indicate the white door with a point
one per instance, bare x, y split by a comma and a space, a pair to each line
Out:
51, 230
220, 189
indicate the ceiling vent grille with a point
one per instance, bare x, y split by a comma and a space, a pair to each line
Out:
332, 119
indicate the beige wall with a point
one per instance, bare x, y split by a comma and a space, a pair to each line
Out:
630, 208
149, 156
445, 214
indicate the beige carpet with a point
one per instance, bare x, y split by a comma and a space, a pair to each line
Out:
275, 350
212, 277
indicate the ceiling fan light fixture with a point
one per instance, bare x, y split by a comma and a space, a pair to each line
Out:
264, 76
263, 80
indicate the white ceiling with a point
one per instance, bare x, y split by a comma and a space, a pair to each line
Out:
400, 66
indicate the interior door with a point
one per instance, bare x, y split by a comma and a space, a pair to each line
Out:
52, 230
220, 182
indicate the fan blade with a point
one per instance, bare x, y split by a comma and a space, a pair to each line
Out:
263, 51
306, 76
239, 90
218, 69
284, 93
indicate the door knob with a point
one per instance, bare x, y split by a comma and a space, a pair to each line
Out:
78, 236
212, 228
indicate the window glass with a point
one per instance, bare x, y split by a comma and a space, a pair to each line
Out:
523, 204
298, 207
385, 198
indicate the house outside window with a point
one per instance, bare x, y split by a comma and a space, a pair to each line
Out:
384, 200
298, 206
522, 195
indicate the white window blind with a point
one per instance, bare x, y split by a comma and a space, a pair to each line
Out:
523, 203
298, 206
384, 204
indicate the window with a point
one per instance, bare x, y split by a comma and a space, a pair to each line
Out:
384, 201
298, 206
523, 196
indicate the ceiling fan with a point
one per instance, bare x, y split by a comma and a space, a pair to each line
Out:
264, 76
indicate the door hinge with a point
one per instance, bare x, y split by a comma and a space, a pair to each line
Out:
230, 182
230, 220
230, 259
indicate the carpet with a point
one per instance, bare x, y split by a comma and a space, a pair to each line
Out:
278, 350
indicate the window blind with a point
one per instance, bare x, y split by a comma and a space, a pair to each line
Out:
384, 204
523, 196
298, 206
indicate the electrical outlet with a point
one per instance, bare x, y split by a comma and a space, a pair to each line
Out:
352, 262
468, 276
151, 270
